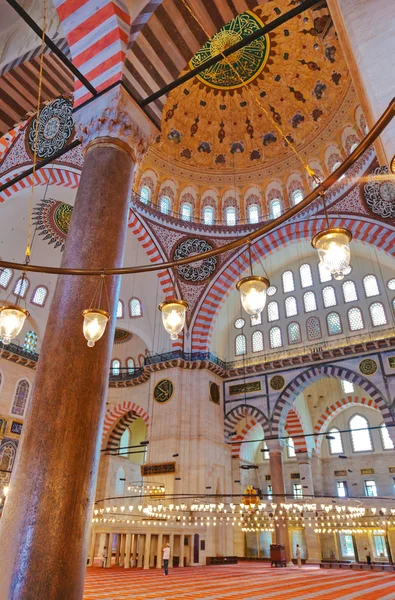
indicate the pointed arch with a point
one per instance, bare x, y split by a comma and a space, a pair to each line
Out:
237, 414
117, 419
294, 428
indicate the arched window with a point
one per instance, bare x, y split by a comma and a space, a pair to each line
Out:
370, 285
120, 309
335, 441
257, 341
240, 345
30, 341
208, 215
291, 448
273, 313
239, 323
291, 308
7, 458
360, 434
21, 287
288, 282
165, 205
377, 314
388, 444
309, 302
390, 284
230, 216
334, 323
296, 197
186, 211
253, 214
349, 291
120, 482
294, 336
20, 397
145, 194
355, 319
135, 308
39, 295
272, 290
306, 278
275, 208
124, 443
313, 327
115, 367
329, 296
275, 337
130, 366
5, 277
325, 275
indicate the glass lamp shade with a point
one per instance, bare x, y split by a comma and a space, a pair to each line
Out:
12, 319
333, 246
95, 321
253, 294
173, 316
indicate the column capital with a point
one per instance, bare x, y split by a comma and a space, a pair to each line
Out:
275, 446
114, 118
303, 458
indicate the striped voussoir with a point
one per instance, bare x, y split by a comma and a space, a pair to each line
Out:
363, 229
54, 176
294, 429
334, 409
303, 380
116, 434
232, 419
121, 413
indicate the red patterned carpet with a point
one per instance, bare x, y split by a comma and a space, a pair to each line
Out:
246, 581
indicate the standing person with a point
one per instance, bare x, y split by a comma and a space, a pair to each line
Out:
298, 556
166, 556
104, 555
368, 556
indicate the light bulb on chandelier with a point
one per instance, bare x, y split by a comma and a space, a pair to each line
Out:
173, 316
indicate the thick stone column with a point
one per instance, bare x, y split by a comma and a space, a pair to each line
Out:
182, 540
122, 550
128, 543
305, 472
278, 488
171, 544
109, 551
46, 521
159, 551
134, 552
147, 550
366, 31
141, 545
92, 548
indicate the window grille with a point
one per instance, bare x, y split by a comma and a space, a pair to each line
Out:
349, 291
294, 336
377, 314
275, 337
306, 278
334, 323
371, 286
355, 320
257, 341
272, 311
329, 296
241, 345
310, 303
288, 282
313, 328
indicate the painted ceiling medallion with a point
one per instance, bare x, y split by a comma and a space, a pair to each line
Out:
379, 193
243, 65
52, 220
55, 128
121, 336
200, 270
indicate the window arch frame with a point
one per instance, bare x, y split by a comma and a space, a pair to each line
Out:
132, 316
286, 302
310, 339
291, 343
141, 194
275, 327
25, 279
35, 291
9, 280
338, 432
129, 370
241, 336
355, 308
371, 275
258, 334
184, 204
116, 360
164, 199
122, 311
32, 334
334, 312
211, 210
256, 208
273, 303
288, 291
384, 312
230, 210
368, 432
355, 289
12, 411
301, 276
310, 293
324, 301
275, 202
294, 193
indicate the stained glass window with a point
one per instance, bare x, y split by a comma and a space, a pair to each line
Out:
186, 211
329, 296
115, 367
371, 286
135, 308
355, 320
253, 214
313, 328
334, 323
275, 208
306, 278
230, 216
297, 196
145, 194
40, 295
335, 441
20, 397
275, 337
164, 205
360, 434
272, 311
257, 341
5, 277
309, 301
388, 444
294, 336
288, 282
349, 291
120, 309
241, 345
291, 308
377, 314
21, 286
30, 341
130, 366
325, 275
208, 215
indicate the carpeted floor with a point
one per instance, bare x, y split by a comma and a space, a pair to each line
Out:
245, 581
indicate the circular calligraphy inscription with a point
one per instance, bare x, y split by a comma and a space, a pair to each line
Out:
201, 269
163, 391
214, 393
277, 382
55, 128
368, 366
379, 193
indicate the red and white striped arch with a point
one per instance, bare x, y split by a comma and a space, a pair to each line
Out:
115, 413
365, 230
46, 176
97, 32
294, 428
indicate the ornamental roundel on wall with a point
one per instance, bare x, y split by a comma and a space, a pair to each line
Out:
52, 220
379, 193
200, 270
368, 366
214, 393
121, 336
55, 129
163, 391
277, 382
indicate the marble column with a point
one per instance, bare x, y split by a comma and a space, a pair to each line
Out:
305, 472
45, 524
141, 545
159, 551
134, 551
366, 32
117, 551
147, 550
109, 550
128, 542
182, 540
92, 548
278, 488
171, 544
122, 550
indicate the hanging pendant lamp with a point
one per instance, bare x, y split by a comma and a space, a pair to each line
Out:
253, 291
173, 316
